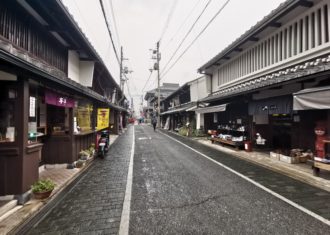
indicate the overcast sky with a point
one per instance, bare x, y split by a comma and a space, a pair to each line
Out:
141, 23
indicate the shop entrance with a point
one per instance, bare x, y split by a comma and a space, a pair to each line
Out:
281, 131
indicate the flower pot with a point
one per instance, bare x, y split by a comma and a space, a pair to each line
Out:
42, 195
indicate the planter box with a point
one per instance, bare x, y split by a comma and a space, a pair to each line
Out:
303, 159
275, 156
288, 159
42, 195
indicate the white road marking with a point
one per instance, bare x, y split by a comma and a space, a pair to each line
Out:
124, 221
303, 209
144, 138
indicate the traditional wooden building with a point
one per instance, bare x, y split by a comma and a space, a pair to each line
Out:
179, 107
152, 97
268, 74
53, 84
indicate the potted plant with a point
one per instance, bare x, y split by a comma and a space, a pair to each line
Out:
80, 163
84, 154
92, 150
42, 188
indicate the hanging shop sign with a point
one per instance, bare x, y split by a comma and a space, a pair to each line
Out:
58, 100
274, 105
103, 118
84, 114
32, 109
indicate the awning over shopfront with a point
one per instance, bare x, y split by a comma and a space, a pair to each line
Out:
312, 98
184, 108
273, 105
192, 108
212, 109
177, 110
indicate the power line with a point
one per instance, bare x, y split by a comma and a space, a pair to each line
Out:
134, 86
187, 34
183, 23
147, 80
151, 85
114, 21
203, 30
108, 28
168, 19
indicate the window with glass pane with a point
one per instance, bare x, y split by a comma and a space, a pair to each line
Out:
8, 97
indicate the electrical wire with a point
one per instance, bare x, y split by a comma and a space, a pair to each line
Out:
114, 21
187, 34
154, 84
203, 30
147, 80
108, 28
168, 19
182, 24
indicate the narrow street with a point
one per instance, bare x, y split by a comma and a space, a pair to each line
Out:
239, 93
177, 191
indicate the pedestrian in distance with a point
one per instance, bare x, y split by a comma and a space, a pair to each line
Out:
154, 122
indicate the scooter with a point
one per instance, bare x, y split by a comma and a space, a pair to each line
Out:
103, 144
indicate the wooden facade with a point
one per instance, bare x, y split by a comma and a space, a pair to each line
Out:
284, 53
34, 58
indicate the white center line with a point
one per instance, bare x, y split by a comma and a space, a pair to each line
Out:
311, 213
124, 221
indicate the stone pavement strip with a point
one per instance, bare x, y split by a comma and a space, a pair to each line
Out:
62, 178
94, 205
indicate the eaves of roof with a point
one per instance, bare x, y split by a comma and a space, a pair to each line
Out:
277, 13
84, 39
315, 67
184, 86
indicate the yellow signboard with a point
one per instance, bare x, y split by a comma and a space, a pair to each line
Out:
84, 117
103, 118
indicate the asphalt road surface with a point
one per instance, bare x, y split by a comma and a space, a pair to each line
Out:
178, 191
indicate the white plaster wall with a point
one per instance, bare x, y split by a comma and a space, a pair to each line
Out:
86, 73
199, 88
241, 68
73, 65
199, 120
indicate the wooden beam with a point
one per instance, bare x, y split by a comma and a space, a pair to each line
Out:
275, 24
306, 3
238, 49
254, 39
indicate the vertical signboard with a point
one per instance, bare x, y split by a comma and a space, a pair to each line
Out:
103, 118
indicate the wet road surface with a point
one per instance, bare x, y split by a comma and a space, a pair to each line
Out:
178, 191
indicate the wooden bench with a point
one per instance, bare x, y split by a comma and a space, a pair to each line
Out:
236, 144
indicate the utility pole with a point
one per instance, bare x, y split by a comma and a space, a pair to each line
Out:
121, 70
158, 78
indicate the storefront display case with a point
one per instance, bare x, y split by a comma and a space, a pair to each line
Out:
231, 134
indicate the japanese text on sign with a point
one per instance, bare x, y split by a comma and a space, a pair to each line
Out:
102, 118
